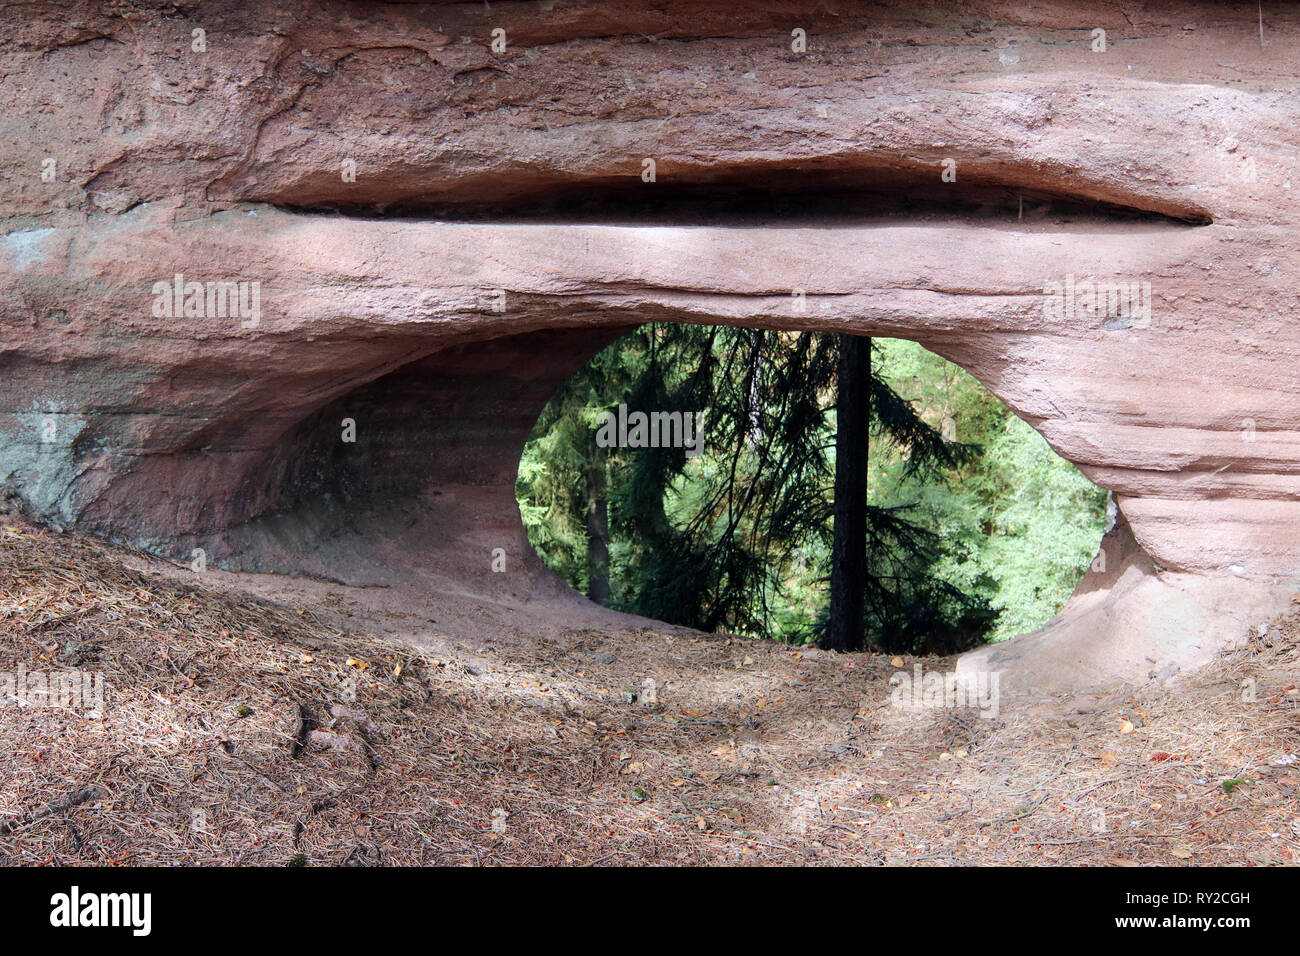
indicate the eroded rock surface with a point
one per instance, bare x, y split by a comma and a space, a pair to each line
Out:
440, 234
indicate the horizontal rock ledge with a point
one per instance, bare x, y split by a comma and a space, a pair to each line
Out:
343, 302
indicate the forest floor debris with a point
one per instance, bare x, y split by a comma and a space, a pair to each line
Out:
242, 730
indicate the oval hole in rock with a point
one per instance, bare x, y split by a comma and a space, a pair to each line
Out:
687, 474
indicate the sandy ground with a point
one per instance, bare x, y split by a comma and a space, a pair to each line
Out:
272, 721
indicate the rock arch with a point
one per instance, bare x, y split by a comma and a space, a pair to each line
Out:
385, 294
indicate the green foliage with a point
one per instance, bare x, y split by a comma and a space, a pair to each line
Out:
971, 538
1020, 524
713, 536
550, 484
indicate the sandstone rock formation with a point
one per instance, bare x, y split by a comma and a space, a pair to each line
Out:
440, 232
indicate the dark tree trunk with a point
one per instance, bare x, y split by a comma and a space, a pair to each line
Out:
597, 529
844, 630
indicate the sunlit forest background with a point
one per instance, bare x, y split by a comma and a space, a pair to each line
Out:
976, 530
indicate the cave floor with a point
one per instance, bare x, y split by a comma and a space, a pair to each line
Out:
266, 720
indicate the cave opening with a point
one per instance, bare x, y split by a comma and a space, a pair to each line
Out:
685, 474
394, 454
